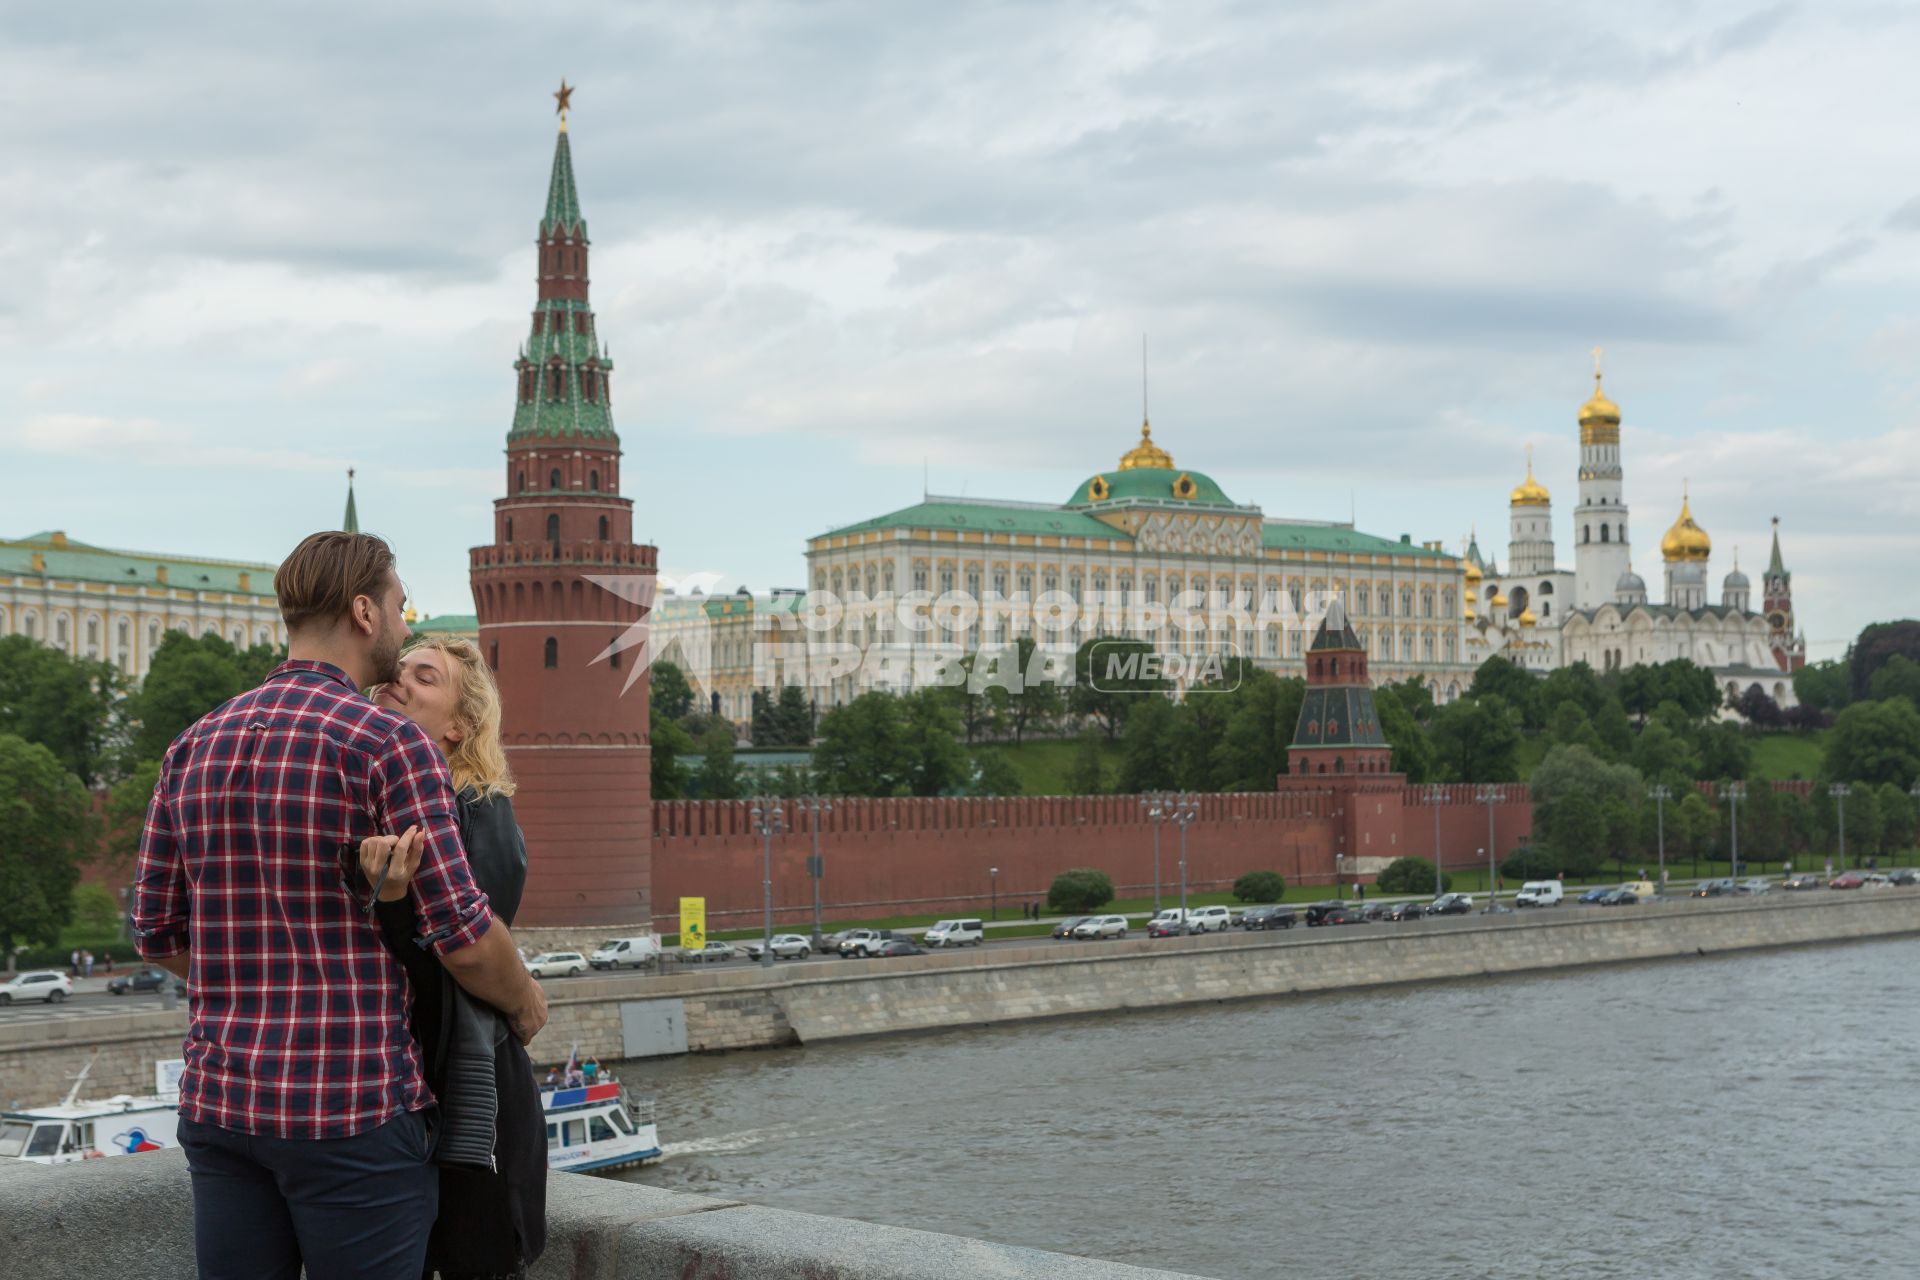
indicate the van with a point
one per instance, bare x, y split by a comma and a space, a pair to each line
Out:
955, 933
625, 953
1540, 893
1640, 888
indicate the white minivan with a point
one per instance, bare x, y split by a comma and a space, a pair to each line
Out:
955, 933
625, 953
1540, 893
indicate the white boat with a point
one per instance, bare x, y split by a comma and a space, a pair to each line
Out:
123, 1125
596, 1128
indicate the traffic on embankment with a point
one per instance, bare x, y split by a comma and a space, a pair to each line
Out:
706, 1008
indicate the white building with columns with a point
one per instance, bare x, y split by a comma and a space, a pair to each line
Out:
115, 606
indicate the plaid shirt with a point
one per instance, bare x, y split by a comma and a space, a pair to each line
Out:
299, 1013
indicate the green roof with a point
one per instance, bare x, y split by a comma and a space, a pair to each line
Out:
987, 517
1151, 483
74, 561
1338, 716
1340, 539
459, 624
563, 196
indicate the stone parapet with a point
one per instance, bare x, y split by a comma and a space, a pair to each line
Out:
133, 1216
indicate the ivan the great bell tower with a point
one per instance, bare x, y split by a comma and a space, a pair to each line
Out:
575, 737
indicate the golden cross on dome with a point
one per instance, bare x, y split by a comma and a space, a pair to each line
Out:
565, 98
1597, 353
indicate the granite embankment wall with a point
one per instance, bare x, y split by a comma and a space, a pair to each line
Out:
114, 1219
639, 1015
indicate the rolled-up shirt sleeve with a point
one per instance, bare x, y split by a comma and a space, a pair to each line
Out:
414, 789
159, 881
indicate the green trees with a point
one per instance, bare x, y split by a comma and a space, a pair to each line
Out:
46, 828
1079, 891
1826, 685
1875, 646
718, 777
1898, 678
1110, 679
1875, 741
670, 694
67, 705
1896, 818
1259, 886
785, 720
1414, 753
885, 745
1034, 707
1409, 875
1476, 739
1499, 678
1087, 776
670, 746
1146, 748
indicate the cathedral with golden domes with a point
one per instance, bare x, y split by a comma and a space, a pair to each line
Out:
1541, 617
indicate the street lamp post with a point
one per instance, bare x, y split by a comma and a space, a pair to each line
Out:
1436, 795
1733, 793
816, 864
1660, 795
769, 820
1490, 796
1185, 810
1155, 805
1839, 791
993, 878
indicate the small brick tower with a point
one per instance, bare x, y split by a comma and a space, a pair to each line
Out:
1777, 603
1339, 730
1338, 747
576, 742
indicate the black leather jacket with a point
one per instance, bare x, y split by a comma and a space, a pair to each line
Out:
459, 1035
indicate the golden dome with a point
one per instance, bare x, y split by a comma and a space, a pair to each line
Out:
1686, 540
1526, 618
1499, 600
1531, 493
1473, 572
1146, 454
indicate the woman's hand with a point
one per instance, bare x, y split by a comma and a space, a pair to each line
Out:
397, 856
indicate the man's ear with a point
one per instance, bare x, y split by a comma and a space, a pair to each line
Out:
365, 615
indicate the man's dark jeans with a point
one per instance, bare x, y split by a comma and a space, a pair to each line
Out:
347, 1207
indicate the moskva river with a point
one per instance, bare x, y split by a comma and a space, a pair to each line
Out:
1751, 1115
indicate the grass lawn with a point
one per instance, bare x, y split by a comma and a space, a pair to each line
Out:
1042, 764
1789, 755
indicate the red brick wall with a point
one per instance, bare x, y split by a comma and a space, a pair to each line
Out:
918, 857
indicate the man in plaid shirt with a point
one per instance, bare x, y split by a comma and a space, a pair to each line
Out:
302, 1106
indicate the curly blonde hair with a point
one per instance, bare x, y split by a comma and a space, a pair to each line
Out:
478, 761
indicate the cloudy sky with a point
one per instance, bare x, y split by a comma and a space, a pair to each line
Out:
839, 247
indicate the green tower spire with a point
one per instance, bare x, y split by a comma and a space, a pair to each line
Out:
351, 521
564, 374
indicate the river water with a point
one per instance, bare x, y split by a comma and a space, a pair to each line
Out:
1747, 1115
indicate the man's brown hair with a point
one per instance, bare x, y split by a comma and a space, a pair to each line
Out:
317, 583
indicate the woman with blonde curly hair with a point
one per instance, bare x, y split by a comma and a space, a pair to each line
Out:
492, 1178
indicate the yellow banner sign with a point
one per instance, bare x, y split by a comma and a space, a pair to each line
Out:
693, 923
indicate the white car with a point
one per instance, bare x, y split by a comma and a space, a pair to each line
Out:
557, 964
955, 933
49, 985
786, 946
626, 953
1101, 927
1208, 919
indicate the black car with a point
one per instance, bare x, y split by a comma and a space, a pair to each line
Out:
1066, 927
1713, 889
1406, 911
1330, 913
1620, 898
1450, 904
899, 947
149, 978
1317, 913
1269, 918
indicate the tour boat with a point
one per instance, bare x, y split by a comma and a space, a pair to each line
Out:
596, 1128
122, 1125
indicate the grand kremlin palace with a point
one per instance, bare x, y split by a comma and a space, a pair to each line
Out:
115, 606
1143, 534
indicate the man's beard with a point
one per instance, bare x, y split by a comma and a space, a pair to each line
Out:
386, 656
